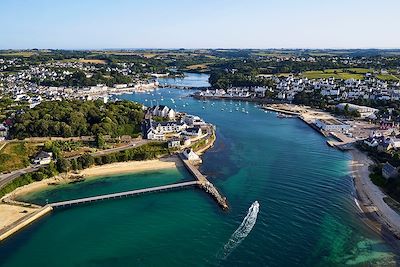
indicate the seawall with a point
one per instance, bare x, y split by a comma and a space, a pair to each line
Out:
23, 222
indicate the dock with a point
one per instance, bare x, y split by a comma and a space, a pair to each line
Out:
204, 183
121, 195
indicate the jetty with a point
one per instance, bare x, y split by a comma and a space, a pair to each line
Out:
204, 183
121, 194
24, 221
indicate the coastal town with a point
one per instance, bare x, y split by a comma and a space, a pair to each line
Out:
65, 121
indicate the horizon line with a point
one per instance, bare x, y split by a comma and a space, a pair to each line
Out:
205, 48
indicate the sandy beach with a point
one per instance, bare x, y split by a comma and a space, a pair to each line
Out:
98, 171
13, 213
132, 166
370, 198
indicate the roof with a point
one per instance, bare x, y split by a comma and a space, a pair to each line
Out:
193, 129
389, 168
42, 154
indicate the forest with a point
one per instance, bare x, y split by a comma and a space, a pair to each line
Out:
78, 118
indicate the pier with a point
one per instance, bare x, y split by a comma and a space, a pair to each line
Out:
122, 194
204, 183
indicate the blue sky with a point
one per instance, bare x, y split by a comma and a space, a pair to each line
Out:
96, 24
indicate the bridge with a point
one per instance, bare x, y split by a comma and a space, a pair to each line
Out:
122, 194
183, 87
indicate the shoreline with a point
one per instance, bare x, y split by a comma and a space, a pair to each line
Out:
20, 214
95, 172
369, 199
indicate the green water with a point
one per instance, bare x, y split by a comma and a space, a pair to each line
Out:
307, 212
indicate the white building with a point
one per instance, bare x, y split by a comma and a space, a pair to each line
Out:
363, 110
163, 111
190, 155
43, 158
332, 125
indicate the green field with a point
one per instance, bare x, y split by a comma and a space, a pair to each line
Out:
387, 77
336, 73
18, 54
16, 156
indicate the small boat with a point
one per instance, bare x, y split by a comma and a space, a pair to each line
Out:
283, 116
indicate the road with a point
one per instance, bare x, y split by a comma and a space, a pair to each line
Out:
371, 195
8, 177
135, 143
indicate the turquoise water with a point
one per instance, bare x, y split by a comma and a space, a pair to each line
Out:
307, 213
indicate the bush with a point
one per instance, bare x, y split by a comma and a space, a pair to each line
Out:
18, 182
378, 179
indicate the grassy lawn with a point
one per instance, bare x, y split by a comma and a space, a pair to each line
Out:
18, 54
360, 70
336, 73
16, 156
387, 77
197, 66
93, 61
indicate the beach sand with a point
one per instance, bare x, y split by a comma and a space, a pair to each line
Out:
132, 166
11, 213
378, 215
98, 171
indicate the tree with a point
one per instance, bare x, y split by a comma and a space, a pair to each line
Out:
74, 165
100, 142
86, 160
63, 165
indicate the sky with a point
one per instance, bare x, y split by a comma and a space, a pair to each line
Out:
101, 24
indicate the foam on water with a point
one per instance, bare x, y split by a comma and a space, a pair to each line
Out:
242, 232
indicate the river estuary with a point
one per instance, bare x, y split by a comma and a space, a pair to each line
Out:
305, 215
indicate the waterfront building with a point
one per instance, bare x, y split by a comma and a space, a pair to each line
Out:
193, 131
363, 110
192, 120
191, 155
332, 125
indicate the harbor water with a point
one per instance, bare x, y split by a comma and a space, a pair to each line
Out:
290, 196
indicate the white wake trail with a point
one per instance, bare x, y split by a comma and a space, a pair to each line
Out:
240, 234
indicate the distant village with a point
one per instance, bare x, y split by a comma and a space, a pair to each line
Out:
24, 85
336, 89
